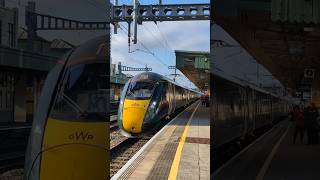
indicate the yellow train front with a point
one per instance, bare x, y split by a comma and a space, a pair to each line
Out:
69, 139
147, 99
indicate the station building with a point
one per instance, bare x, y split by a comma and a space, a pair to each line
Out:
117, 81
22, 72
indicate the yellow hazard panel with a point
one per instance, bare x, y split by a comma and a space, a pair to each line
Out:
75, 150
133, 114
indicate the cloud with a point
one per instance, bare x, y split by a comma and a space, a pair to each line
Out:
187, 35
161, 39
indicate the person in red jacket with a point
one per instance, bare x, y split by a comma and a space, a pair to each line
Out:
298, 119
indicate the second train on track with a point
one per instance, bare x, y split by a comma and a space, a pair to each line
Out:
147, 99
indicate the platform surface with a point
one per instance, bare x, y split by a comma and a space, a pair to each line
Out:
274, 157
181, 150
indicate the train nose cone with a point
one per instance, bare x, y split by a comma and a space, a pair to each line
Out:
133, 115
70, 148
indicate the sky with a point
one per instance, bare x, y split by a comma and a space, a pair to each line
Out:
157, 42
161, 40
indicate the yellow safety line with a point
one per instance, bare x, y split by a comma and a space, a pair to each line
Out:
176, 161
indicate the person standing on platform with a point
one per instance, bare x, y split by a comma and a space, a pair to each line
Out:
298, 119
207, 101
203, 102
312, 126
291, 110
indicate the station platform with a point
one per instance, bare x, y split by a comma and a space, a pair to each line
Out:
180, 150
5, 127
273, 156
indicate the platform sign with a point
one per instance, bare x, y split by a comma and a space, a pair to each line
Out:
306, 96
309, 73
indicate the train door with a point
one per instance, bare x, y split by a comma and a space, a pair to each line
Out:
243, 106
255, 109
251, 110
174, 97
169, 98
272, 109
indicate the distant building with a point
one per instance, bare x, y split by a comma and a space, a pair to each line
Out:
117, 81
40, 44
8, 25
59, 47
8, 40
22, 73
55, 48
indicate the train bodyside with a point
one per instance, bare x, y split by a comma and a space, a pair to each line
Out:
159, 98
239, 109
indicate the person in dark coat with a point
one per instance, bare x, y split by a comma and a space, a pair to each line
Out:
298, 119
203, 100
207, 101
291, 110
311, 124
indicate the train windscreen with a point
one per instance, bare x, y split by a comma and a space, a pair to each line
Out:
83, 92
140, 90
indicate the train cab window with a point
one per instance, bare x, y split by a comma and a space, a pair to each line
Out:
140, 90
83, 93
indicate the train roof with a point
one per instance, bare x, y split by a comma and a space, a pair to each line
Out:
157, 77
220, 73
92, 51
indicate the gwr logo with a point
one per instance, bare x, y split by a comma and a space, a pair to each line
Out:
136, 104
81, 135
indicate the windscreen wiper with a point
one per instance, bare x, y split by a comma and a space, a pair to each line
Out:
74, 105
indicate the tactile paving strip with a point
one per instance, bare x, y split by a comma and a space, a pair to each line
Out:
162, 167
197, 140
163, 164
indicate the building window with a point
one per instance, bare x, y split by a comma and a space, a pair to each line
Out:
6, 91
11, 35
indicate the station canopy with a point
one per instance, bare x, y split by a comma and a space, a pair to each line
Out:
195, 65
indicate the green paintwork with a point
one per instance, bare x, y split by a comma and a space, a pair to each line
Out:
198, 60
300, 11
118, 80
26, 60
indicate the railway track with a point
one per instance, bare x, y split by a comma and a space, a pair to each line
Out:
13, 143
113, 123
123, 152
11, 161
